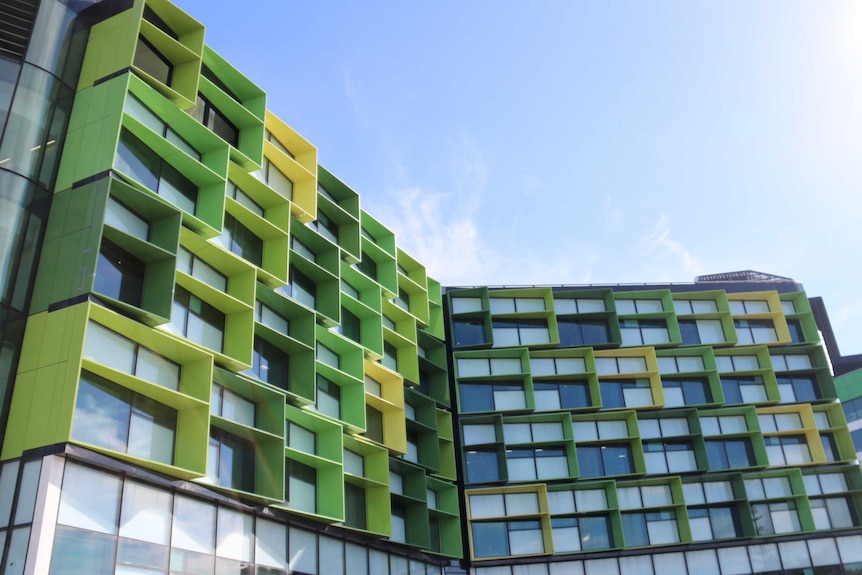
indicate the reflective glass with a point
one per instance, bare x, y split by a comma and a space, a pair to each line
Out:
90, 499
146, 513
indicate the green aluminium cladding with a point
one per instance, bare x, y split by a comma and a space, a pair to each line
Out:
594, 419
219, 306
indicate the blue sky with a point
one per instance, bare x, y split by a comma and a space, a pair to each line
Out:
572, 142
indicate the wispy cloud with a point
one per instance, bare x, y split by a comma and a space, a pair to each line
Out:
658, 244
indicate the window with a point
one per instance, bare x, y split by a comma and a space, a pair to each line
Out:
390, 356
686, 391
728, 363
580, 533
644, 332
483, 466
787, 450
613, 365
694, 306
700, 331
119, 274
729, 454
566, 306
367, 266
115, 418
115, 351
355, 514
645, 496
554, 395
723, 424
300, 438
351, 326
708, 523
373, 387
241, 241
265, 315
468, 332
794, 326
788, 362
600, 430
301, 486
540, 366
767, 487
140, 163
354, 463
209, 116
328, 398
680, 364
302, 288
189, 263
478, 433
402, 300
326, 227
243, 199
634, 393
154, 19
750, 331
521, 332
373, 424
488, 366
743, 390
151, 61
270, 364
605, 460
496, 396
412, 447
138, 110
500, 305
275, 178
327, 356
302, 249
634, 306
797, 389
744, 307
652, 528
197, 320
399, 523
120, 217
503, 504
669, 456
231, 461
663, 427
707, 492
824, 483
775, 518
832, 513
539, 463
830, 447
348, 289
466, 304
506, 538
229, 405
326, 193
575, 333
515, 433
771, 422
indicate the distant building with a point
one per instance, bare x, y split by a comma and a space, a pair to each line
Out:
213, 361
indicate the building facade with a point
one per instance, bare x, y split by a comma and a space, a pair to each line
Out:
213, 361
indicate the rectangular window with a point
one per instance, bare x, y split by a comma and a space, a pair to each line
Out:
507, 538
151, 61
646, 496
514, 433
197, 320
745, 307
373, 424
231, 461
466, 304
270, 364
501, 305
701, 331
242, 241
653, 528
833, 513
580, 533
212, 118
301, 492
709, 523
191, 264
497, 396
351, 325
637, 332
570, 306
140, 163
243, 199
797, 389
119, 216
300, 438
635, 306
521, 332
326, 227
686, 391
229, 405
729, 454
768, 487
119, 274
694, 306
723, 425
540, 463
750, 331
775, 518
663, 427
574, 333
367, 266
390, 356
540, 366
614, 365
669, 457
355, 513
787, 450
486, 366
729, 363
600, 430
468, 332
483, 466
680, 364
772, 422
354, 463
265, 315
115, 351
477, 434
302, 249
555, 395
328, 398
743, 390
634, 393
327, 356
115, 418
605, 460
302, 288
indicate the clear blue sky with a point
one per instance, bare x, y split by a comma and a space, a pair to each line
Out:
571, 142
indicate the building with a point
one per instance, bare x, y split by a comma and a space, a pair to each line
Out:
215, 362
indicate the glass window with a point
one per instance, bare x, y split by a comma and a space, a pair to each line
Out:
194, 525
151, 61
794, 389
466, 304
750, 331
520, 332
644, 332
328, 398
686, 391
743, 390
146, 514
115, 418
76, 547
270, 543
555, 395
787, 450
197, 320
540, 463
575, 333
235, 539
482, 466
243, 199
229, 405
833, 513
468, 332
625, 393
212, 118
270, 364
355, 511
302, 288
775, 518
267, 316
90, 499
119, 274
599, 461
123, 218
496, 396
505, 538
240, 240
729, 454
301, 488
231, 461
194, 266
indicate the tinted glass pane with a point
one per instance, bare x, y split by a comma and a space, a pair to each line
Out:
490, 539
354, 506
137, 161
476, 397
148, 59
689, 332
617, 459
590, 461
469, 332
119, 274
482, 466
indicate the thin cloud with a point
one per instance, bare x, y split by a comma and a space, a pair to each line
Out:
658, 244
